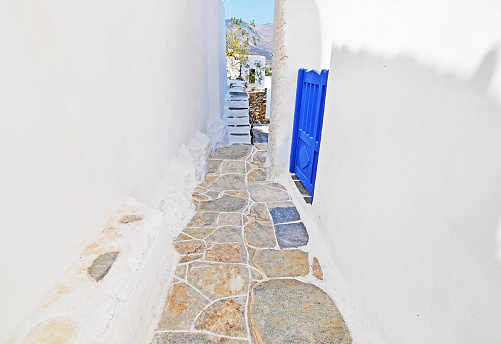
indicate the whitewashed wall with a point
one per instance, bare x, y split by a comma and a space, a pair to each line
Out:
223, 86
298, 43
96, 100
216, 64
408, 191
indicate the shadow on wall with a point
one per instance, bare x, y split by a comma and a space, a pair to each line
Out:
482, 79
485, 71
409, 188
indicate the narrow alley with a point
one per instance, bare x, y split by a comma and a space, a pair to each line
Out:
259, 172
240, 278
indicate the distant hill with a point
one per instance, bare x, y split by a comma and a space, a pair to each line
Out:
265, 45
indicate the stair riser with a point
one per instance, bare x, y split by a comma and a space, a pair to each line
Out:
239, 129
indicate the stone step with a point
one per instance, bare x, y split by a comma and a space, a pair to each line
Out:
237, 83
236, 121
236, 89
244, 112
239, 138
239, 129
235, 114
234, 107
238, 96
237, 103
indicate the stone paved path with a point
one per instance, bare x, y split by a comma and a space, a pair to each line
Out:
236, 280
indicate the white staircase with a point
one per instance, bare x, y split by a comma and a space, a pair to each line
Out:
236, 114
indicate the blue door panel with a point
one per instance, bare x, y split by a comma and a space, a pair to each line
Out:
308, 120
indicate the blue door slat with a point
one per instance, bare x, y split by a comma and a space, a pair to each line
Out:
304, 105
308, 120
299, 90
320, 107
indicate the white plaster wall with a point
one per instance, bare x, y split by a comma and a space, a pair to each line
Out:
216, 64
223, 85
216, 128
408, 191
97, 99
299, 42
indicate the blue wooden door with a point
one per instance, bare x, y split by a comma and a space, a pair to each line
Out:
308, 119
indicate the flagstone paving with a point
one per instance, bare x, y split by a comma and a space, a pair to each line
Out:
237, 280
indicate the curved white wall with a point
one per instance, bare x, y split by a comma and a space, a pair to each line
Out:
298, 42
408, 191
96, 100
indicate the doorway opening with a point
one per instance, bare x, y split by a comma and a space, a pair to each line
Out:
249, 43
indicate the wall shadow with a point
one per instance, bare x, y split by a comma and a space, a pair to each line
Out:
409, 175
